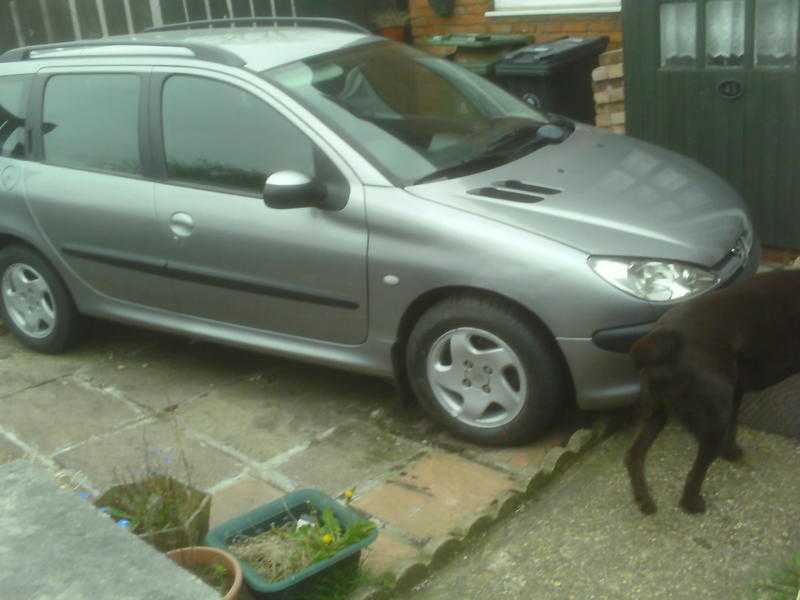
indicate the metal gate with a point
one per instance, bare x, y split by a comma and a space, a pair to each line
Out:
718, 80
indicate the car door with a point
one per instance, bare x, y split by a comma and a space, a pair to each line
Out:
87, 186
234, 260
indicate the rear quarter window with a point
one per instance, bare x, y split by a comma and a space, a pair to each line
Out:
13, 113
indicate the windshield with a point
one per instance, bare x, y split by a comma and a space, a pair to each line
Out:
413, 115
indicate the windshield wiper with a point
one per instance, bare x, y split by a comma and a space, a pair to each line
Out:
533, 137
471, 165
538, 134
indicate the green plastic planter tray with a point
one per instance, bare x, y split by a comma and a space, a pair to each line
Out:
277, 513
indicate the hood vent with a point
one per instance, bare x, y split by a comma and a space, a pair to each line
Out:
515, 191
490, 192
513, 184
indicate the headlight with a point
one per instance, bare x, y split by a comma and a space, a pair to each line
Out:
654, 280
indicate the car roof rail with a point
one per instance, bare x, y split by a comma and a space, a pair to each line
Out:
160, 48
266, 21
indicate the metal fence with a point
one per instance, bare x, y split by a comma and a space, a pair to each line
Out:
25, 22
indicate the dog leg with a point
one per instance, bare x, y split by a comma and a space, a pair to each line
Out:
691, 501
731, 451
652, 424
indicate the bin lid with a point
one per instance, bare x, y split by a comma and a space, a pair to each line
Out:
546, 58
478, 40
484, 67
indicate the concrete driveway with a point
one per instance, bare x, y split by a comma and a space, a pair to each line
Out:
249, 428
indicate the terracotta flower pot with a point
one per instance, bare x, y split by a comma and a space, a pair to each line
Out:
202, 556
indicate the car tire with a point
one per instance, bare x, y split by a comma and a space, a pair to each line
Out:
486, 371
34, 302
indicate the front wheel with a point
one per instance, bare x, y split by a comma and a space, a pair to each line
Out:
35, 303
484, 371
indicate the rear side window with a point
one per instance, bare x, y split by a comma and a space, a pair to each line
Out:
218, 135
13, 109
92, 122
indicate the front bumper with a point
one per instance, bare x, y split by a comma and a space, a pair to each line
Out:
602, 371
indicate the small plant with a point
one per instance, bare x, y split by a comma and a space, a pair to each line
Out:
286, 549
155, 505
216, 568
781, 585
215, 576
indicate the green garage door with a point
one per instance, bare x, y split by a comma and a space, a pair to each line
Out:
717, 80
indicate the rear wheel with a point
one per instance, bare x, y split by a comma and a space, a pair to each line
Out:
35, 303
483, 370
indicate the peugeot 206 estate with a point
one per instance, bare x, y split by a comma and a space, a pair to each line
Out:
302, 187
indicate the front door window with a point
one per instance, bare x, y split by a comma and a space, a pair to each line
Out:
776, 32
678, 34
231, 140
725, 27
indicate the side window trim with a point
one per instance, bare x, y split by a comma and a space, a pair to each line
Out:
154, 125
36, 119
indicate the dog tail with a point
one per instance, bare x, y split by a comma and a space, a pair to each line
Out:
657, 352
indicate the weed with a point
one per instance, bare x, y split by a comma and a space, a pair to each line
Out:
781, 585
286, 549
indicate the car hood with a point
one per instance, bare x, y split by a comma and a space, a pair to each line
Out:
607, 194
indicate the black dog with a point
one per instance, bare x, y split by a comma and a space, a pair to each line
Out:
698, 361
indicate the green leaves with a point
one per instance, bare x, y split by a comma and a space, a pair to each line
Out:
285, 550
781, 585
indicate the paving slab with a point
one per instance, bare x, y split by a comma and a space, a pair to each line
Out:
389, 553
264, 417
172, 372
437, 495
353, 453
583, 538
56, 546
62, 413
23, 369
241, 496
9, 451
160, 443
522, 461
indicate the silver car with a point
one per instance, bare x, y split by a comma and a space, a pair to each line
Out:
304, 188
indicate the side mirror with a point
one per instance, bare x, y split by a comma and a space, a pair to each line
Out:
290, 189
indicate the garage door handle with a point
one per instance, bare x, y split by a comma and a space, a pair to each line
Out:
181, 224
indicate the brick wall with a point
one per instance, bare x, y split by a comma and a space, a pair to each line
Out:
469, 17
608, 81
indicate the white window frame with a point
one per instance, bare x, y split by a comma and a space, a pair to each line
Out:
509, 8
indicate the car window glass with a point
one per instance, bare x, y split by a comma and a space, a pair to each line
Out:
13, 105
92, 121
218, 135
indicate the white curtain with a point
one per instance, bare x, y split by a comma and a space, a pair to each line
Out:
725, 29
678, 32
776, 31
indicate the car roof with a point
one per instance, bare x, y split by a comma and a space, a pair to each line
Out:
260, 48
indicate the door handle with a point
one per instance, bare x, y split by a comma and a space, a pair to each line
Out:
181, 224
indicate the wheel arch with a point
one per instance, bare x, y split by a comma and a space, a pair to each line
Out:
8, 239
432, 297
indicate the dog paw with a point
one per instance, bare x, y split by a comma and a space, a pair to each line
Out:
733, 453
646, 505
694, 505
